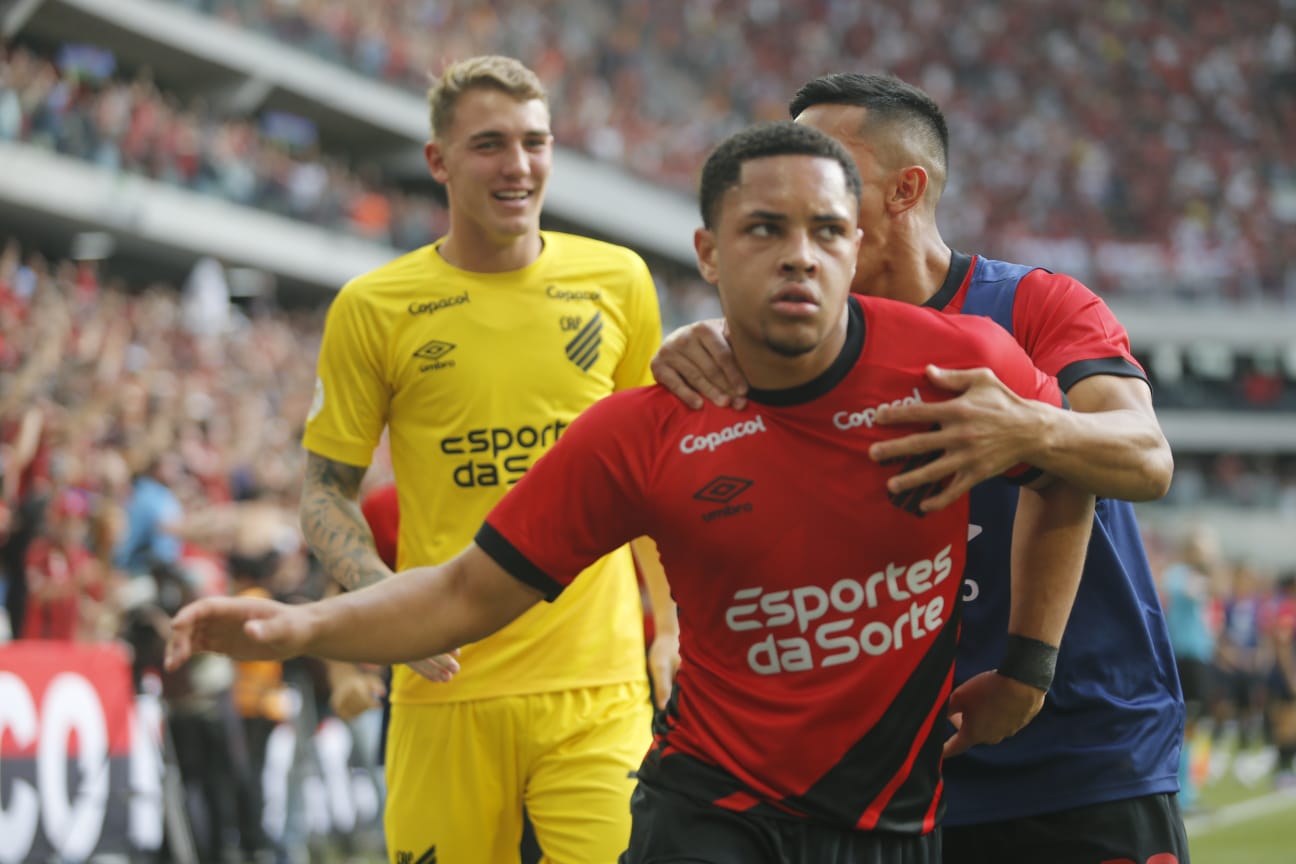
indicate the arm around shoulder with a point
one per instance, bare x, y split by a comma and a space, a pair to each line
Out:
1110, 443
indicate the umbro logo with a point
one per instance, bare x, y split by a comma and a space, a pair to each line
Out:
433, 353
723, 490
583, 349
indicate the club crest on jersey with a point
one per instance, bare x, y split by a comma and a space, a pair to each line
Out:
433, 353
583, 349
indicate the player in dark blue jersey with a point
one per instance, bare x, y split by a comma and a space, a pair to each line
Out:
1095, 776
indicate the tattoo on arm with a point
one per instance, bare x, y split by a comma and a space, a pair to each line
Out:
334, 527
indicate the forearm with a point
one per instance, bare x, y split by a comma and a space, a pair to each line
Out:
1050, 537
423, 612
1113, 454
341, 539
665, 615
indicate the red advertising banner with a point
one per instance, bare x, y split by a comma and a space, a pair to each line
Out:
68, 732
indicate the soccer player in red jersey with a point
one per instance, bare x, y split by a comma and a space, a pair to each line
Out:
821, 611
1094, 777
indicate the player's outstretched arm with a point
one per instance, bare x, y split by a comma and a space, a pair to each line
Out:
427, 611
1050, 537
696, 361
1109, 444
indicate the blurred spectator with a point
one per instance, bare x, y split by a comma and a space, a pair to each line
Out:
1240, 668
1281, 631
64, 583
1187, 585
152, 519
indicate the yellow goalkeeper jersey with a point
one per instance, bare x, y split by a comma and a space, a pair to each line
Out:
476, 375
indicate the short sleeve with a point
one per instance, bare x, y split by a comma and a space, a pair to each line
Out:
1016, 370
581, 500
1012, 365
643, 324
352, 392
1069, 331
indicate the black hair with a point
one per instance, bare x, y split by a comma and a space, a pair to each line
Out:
782, 138
886, 97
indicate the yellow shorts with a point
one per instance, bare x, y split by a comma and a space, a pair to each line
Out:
459, 773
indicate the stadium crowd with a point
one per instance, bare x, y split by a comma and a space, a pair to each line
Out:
1138, 146
75, 104
148, 450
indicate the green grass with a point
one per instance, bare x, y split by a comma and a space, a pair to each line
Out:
1243, 824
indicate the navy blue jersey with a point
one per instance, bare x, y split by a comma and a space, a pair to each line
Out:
1112, 724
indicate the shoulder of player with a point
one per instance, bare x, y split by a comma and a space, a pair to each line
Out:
585, 256
1040, 284
642, 408
397, 275
932, 329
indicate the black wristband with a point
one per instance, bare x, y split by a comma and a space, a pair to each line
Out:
1029, 661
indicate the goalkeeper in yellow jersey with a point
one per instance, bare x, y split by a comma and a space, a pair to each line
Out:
475, 353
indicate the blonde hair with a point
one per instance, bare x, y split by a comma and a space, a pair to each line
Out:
501, 73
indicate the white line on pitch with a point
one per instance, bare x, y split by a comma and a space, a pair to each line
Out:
1243, 811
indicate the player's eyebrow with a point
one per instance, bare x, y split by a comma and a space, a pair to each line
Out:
775, 216
495, 134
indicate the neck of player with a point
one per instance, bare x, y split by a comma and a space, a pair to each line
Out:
768, 369
477, 252
914, 270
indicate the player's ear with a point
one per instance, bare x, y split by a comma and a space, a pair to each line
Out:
909, 185
704, 244
435, 159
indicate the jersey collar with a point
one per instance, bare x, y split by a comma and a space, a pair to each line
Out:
830, 377
960, 264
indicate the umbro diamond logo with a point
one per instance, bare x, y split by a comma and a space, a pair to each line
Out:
583, 349
433, 355
434, 350
723, 489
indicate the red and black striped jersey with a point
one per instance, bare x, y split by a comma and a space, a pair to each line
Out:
818, 612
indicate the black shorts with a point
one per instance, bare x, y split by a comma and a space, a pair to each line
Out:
1146, 830
1195, 677
669, 828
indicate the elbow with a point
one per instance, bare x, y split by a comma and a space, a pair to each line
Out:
1155, 473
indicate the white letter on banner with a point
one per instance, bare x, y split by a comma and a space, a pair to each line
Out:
72, 827
18, 822
145, 824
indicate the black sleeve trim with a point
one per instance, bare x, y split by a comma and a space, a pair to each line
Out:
518, 565
1074, 373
